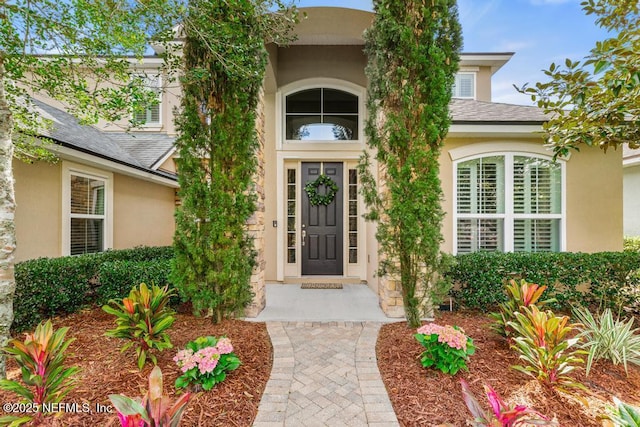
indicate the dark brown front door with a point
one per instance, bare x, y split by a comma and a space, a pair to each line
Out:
322, 225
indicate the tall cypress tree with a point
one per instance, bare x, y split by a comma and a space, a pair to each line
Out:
413, 51
224, 65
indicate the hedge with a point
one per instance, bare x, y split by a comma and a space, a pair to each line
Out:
598, 279
632, 243
47, 287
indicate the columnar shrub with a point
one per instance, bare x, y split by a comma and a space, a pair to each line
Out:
413, 52
224, 64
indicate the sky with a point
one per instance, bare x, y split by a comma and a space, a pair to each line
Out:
538, 31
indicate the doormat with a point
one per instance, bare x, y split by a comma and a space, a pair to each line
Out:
321, 286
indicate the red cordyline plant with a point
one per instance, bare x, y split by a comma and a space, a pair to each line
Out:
143, 319
500, 415
154, 409
41, 359
543, 344
521, 294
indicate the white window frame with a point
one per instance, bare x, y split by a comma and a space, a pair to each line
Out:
313, 145
509, 216
148, 77
71, 169
474, 88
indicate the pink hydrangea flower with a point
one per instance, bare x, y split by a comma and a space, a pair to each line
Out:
449, 335
224, 346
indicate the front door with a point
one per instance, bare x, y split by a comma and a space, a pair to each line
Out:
322, 224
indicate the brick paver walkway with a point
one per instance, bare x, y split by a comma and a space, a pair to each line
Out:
324, 374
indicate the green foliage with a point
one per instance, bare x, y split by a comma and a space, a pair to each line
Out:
413, 52
206, 362
607, 338
591, 103
143, 319
46, 287
224, 62
154, 410
623, 415
500, 415
597, 279
521, 294
117, 277
41, 359
447, 348
632, 243
541, 339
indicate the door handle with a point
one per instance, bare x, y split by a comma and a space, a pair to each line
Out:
304, 235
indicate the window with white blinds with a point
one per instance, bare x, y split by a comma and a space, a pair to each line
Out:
87, 214
464, 85
150, 115
508, 203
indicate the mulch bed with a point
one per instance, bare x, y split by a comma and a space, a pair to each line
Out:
105, 370
426, 397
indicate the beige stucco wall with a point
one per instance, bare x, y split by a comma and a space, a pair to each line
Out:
143, 213
338, 62
593, 196
38, 215
632, 201
594, 201
270, 197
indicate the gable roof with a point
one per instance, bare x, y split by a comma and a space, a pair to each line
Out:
138, 151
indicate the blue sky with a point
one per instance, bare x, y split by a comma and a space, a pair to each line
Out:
538, 31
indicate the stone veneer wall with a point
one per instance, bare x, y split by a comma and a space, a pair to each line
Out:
255, 224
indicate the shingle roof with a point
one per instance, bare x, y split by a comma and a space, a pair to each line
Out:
139, 150
67, 130
478, 112
145, 147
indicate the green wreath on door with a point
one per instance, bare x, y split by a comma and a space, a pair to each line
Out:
331, 189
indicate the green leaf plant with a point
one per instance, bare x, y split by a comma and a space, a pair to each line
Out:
541, 339
622, 415
143, 319
501, 415
154, 409
41, 360
521, 294
607, 338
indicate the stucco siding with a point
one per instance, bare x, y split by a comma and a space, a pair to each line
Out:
270, 194
632, 200
337, 62
38, 215
594, 201
143, 213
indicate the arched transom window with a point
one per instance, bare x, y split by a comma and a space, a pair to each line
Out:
322, 114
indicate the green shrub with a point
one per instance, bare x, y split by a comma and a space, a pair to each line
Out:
632, 243
117, 277
608, 338
47, 287
478, 278
623, 415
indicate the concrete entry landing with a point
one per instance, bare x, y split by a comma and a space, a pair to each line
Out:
356, 303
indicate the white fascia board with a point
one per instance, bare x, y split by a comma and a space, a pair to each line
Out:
494, 129
631, 161
164, 158
108, 165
